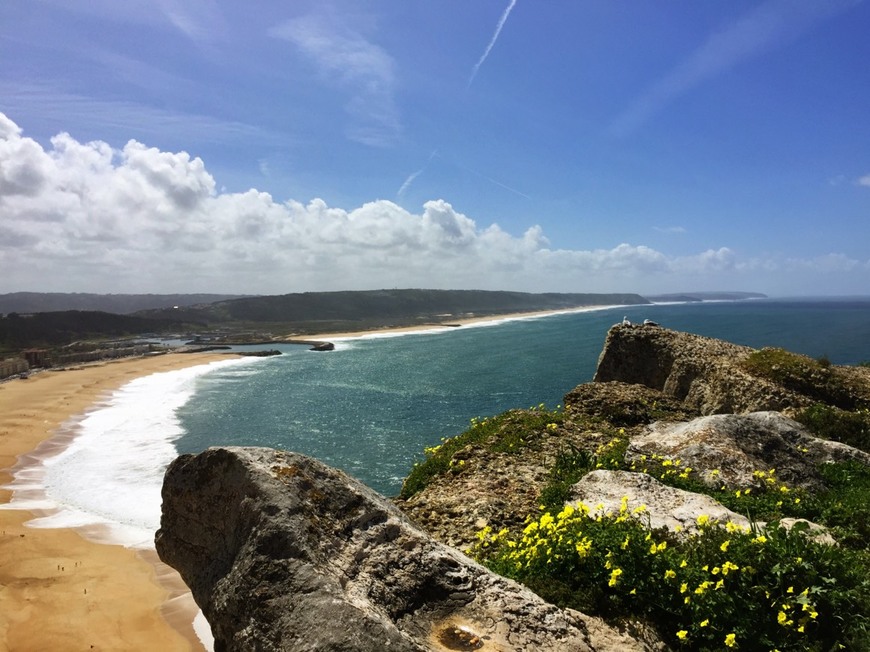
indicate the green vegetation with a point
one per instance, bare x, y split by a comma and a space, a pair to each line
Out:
324, 311
852, 428
506, 433
812, 378
47, 329
724, 586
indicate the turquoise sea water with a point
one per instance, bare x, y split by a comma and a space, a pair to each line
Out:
372, 405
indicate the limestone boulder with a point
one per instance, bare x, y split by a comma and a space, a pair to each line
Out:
282, 552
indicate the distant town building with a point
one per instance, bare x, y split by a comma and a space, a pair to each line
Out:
13, 366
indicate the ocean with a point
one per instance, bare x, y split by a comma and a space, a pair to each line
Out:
371, 406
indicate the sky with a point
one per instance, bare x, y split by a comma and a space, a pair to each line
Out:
642, 146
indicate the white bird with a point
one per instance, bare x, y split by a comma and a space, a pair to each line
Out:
625, 321
649, 322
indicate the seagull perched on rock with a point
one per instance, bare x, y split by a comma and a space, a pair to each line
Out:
649, 322
625, 321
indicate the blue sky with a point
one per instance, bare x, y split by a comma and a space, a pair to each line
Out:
206, 145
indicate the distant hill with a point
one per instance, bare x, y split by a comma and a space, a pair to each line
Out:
703, 296
50, 329
312, 311
122, 304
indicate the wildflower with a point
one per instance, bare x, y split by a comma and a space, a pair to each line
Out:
724, 546
703, 519
684, 563
760, 539
614, 576
684, 587
669, 574
729, 640
704, 622
682, 634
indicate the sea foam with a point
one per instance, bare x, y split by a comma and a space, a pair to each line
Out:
104, 470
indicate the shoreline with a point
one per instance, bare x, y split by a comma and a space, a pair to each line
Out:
446, 326
111, 596
58, 588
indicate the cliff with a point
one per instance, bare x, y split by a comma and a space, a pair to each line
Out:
284, 553
685, 460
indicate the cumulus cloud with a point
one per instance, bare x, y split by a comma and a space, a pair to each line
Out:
86, 217
364, 71
864, 181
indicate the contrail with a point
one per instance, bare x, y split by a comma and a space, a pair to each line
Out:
411, 177
492, 41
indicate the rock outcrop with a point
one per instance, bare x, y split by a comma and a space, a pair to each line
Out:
703, 373
734, 446
284, 553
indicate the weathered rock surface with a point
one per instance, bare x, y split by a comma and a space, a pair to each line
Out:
624, 404
284, 553
677, 510
663, 506
704, 373
736, 445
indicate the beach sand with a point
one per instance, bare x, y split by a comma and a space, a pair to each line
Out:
447, 323
58, 590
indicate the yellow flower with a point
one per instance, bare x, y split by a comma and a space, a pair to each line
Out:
760, 539
703, 519
729, 640
684, 563
682, 634
684, 587
669, 574
614, 576
704, 622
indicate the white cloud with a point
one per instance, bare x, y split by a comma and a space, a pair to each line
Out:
864, 181
363, 70
669, 229
771, 24
86, 217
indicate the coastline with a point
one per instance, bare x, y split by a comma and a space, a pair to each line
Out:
447, 325
59, 590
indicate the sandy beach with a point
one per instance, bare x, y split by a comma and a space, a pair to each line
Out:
58, 590
446, 324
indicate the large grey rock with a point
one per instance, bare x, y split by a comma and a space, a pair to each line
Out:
704, 373
282, 552
602, 492
736, 445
